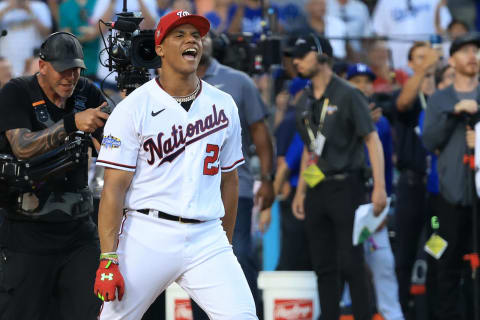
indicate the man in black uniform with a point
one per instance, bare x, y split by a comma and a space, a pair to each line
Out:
48, 244
334, 121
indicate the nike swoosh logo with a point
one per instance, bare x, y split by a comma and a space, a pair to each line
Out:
154, 114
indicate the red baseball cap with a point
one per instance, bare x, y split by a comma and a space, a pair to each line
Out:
179, 17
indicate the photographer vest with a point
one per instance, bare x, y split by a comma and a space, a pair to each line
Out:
51, 198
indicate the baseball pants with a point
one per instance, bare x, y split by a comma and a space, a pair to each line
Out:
379, 257
154, 252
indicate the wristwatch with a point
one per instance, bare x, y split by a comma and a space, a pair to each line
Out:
267, 177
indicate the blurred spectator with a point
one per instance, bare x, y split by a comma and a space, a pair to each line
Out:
293, 241
290, 14
75, 18
378, 252
28, 23
443, 78
163, 7
221, 16
355, 15
321, 24
5, 71
449, 113
410, 211
185, 5
464, 10
105, 10
407, 20
248, 16
252, 113
387, 79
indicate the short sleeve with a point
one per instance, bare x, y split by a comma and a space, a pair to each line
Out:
231, 155
252, 104
15, 109
120, 144
360, 114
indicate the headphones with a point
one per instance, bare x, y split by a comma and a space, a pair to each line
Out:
321, 57
42, 54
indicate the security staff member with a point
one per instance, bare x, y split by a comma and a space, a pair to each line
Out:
48, 244
334, 121
445, 131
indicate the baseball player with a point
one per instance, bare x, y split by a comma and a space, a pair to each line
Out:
170, 152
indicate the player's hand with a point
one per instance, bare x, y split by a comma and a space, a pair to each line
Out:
467, 105
379, 200
470, 136
108, 280
298, 205
91, 119
266, 193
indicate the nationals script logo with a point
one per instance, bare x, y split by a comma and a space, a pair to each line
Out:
168, 148
293, 309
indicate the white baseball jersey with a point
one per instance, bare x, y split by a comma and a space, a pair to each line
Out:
177, 156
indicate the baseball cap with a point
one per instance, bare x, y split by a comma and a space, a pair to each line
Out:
304, 45
469, 38
63, 51
179, 17
359, 69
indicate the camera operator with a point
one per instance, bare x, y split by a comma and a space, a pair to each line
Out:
48, 244
410, 205
445, 131
334, 122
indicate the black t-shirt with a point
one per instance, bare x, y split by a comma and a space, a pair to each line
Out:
411, 154
347, 123
16, 111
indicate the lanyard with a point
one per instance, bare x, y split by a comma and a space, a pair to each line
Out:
423, 101
320, 126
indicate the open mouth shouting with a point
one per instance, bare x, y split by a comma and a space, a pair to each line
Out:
190, 54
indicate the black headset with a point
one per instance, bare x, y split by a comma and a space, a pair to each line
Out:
42, 53
321, 57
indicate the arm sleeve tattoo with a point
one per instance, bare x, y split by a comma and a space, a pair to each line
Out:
26, 144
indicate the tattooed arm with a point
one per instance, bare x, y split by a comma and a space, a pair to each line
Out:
26, 144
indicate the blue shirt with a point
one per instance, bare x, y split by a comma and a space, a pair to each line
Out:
293, 158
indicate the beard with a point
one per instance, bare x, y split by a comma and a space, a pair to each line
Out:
469, 70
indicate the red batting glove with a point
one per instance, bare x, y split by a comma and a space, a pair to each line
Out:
107, 280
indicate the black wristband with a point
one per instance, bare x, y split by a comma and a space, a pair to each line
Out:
267, 177
69, 123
